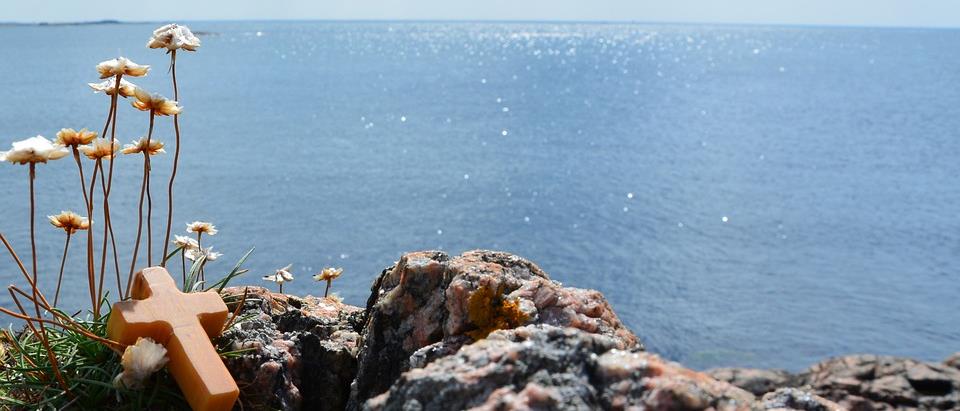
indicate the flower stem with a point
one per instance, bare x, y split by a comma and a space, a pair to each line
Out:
107, 233
106, 194
327, 291
88, 203
176, 154
63, 261
143, 190
281, 288
35, 288
200, 247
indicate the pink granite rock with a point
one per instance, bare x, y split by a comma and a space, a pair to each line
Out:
302, 351
427, 304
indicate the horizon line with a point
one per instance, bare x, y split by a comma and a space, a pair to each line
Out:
491, 21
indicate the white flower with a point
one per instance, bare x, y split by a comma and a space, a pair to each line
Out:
109, 87
140, 146
328, 274
121, 66
202, 227
139, 362
69, 221
282, 275
173, 37
184, 242
100, 148
159, 105
69, 137
195, 254
33, 150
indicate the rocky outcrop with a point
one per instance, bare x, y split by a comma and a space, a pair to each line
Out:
428, 305
863, 382
547, 367
490, 331
293, 351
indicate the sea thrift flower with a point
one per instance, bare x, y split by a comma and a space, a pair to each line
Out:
184, 242
121, 66
69, 221
173, 37
33, 150
70, 137
194, 254
139, 362
328, 274
109, 87
281, 276
100, 148
139, 146
201, 227
155, 103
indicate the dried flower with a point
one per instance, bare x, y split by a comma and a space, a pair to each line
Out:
173, 37
100, 148
69, 221
328, 274
69, 137
33, 150
121, 66
194, 254
156, 103
201, 227
139, 146
186, 243
282, 275
139, 362
109, 87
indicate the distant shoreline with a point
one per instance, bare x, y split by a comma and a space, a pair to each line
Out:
408, 21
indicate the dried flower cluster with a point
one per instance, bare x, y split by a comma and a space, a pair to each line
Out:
32, 151
69, 221
174, 37
140, 361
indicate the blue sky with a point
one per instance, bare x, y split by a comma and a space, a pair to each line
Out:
909, 13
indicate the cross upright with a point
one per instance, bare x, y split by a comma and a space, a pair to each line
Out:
183, 323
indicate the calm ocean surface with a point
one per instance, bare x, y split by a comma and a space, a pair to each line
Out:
753, 196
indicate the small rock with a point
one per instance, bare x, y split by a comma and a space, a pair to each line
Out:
302, 350
756, 381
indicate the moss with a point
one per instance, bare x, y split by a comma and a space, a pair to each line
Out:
488, 311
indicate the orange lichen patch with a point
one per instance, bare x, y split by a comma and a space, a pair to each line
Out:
489, 311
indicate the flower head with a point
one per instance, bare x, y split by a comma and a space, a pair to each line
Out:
186, 243
70, 137
69, 221
280, 276
202, 227
101, 148
121, 66
156, 103
109, 87
33, 150
328, 274
173, 37
140, 146
194, 254
139, 362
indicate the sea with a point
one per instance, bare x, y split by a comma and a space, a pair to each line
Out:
755, 196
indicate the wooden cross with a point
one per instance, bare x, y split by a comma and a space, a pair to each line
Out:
183, 323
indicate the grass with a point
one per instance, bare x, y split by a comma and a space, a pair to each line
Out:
88, 366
